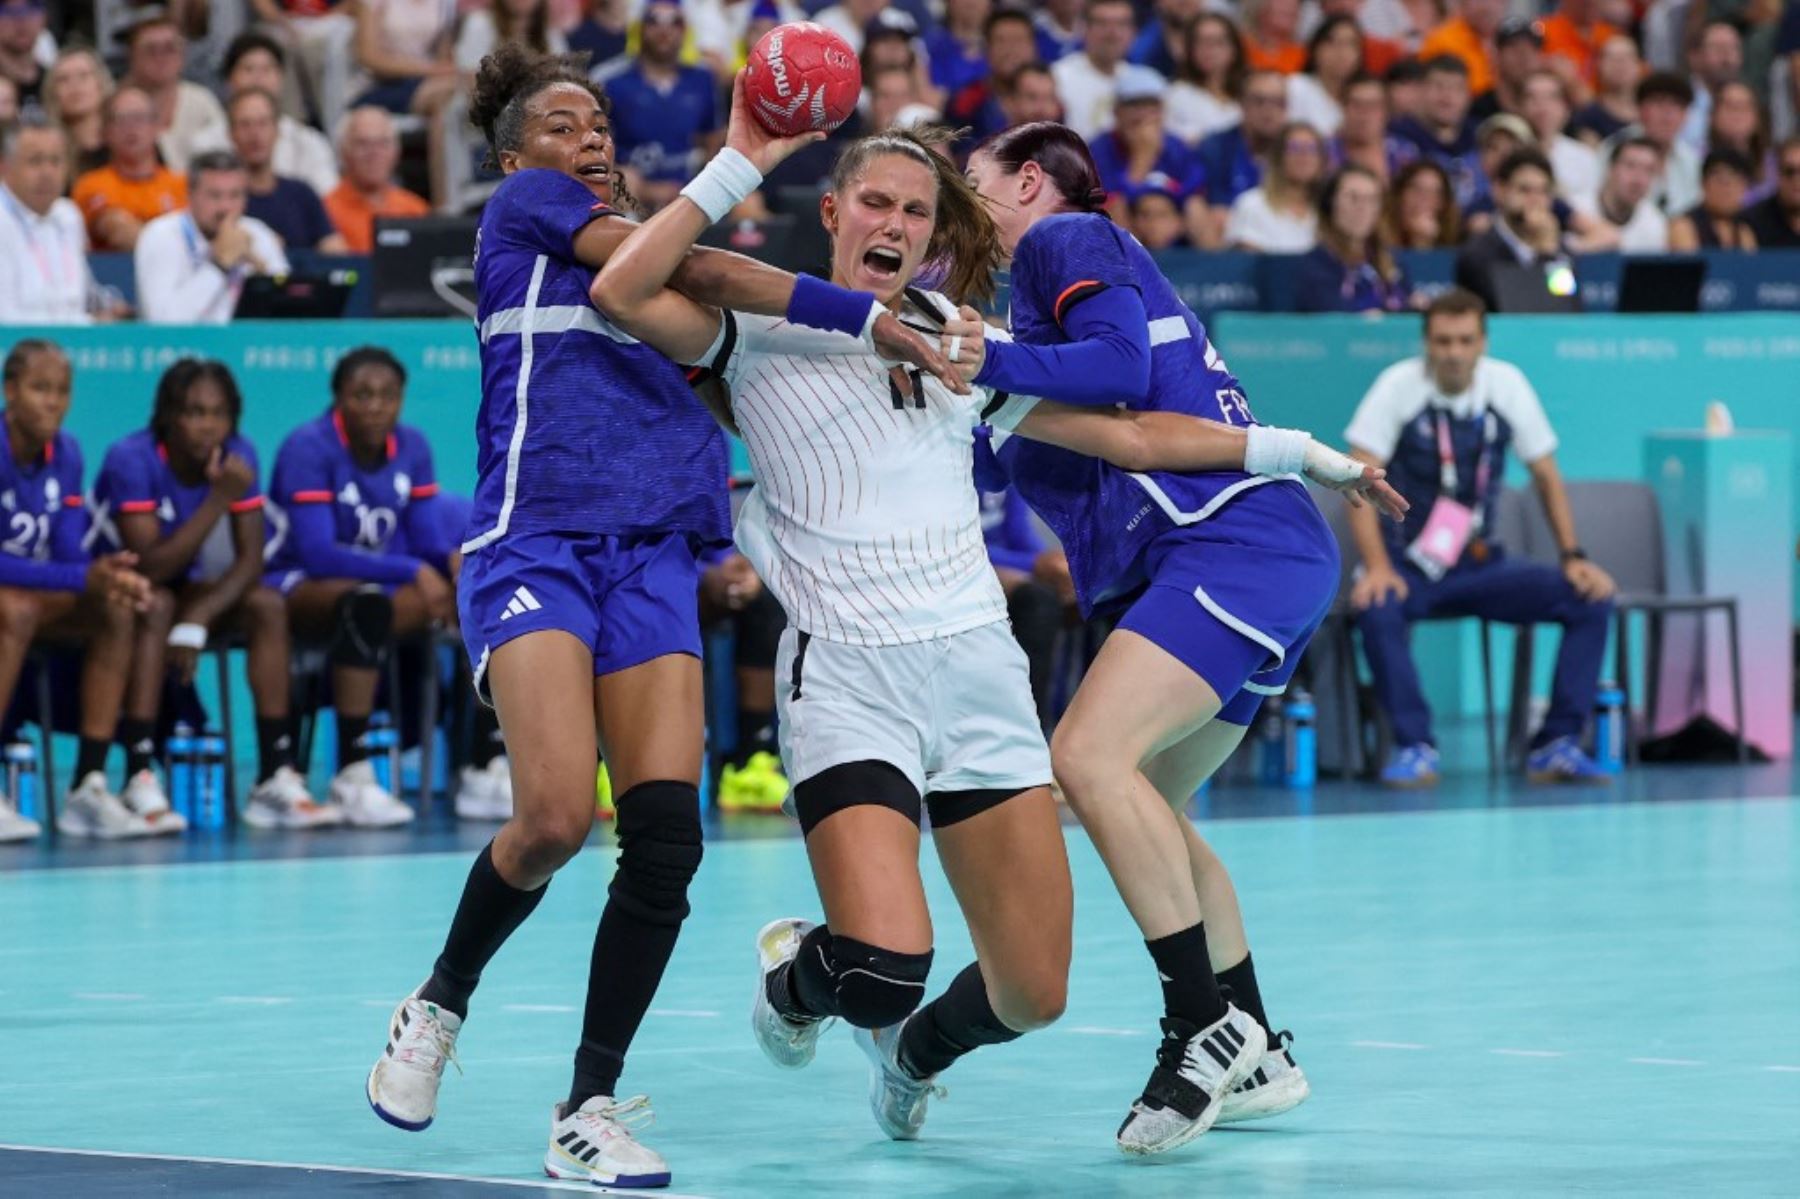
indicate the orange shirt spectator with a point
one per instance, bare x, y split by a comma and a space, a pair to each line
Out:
1457, 37
145, 198
1289, 58
353, 213
1565, 37
1379, 54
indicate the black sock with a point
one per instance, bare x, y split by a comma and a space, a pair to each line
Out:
139, 738
91, 756
274, 745
803, 989
645, 906
1238, 985
490, 910
485, 742
956, 1022
1190, 992
352, 734
755, 734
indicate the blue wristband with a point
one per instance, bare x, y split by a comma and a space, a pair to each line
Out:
821, 305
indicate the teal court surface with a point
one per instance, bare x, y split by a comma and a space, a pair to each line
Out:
1497, 992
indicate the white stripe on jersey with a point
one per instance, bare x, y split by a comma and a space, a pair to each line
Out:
864, 521
527, 327
556, 318
1166, 329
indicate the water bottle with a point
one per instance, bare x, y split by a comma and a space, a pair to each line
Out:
383, 743
210, 770
22, 777
1272, 744
1302, 756
1609, 727
181, 750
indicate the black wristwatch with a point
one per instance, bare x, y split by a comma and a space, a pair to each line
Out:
1575, 555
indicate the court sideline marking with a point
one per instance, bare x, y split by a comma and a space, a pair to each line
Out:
423, 1175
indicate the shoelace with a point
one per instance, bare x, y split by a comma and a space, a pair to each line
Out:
633, 1113
431, 1048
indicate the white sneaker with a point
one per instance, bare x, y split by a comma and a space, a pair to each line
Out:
365, 802
594, 1144
14, 827
486, 794
896, 1097
90, 810
1274, 1087
1196, 1068
145, 796
282, 801
787, 1043
403, 1084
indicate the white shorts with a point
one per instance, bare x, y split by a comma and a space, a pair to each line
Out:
954, 713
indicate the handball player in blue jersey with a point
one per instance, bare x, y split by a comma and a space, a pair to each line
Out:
599, 480
182, 495
1220, 579
50, 588
361, 556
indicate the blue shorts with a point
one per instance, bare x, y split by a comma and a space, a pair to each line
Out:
628, 598
284, 582
1236, 597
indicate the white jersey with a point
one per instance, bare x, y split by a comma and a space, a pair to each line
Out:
864, 520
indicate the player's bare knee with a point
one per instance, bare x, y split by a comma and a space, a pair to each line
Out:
158, 616
265, 611
545, 838
19, 614
1079, 760
1032, 1003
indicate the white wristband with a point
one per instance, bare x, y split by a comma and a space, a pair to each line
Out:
188, 635
1330, 467
726, 182
1272, 451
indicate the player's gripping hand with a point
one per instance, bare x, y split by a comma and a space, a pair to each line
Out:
114, 578
1355, 481
745, 134
895, 343
964, 342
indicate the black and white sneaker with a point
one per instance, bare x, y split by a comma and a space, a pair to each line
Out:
1196, 1068
1277, 1085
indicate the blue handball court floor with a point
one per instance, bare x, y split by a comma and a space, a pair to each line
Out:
1495, 990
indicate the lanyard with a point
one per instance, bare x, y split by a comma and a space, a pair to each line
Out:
55, 277
200, 255
1484, 460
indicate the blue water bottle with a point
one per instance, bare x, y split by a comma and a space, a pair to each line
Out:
181, 750
22, 777
211, 771
1609, 727
1272, 744
1302, 746
383, 744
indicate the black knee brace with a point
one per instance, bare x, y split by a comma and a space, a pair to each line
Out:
869, 986
365, 626
659, 851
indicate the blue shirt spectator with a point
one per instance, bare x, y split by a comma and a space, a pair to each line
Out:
294, 211
1228, 166
957, 50
1443, 131
1176, 171
661, 110
1326, 283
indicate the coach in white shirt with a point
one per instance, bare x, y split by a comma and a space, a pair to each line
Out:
192, 264
1087, 83
44, 277
1623, 204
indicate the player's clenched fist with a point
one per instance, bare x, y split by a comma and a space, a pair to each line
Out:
964, 342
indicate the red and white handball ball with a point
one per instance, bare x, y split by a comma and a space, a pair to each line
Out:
802, 78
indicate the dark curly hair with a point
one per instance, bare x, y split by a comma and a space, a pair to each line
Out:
505, 84
176, 382
358, 358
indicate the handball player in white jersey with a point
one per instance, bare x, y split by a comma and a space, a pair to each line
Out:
901, 688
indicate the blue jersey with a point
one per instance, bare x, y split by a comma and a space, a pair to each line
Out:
1105, 516
41, 542
582, 428
657, 130
1176, 172
136, 478
340, 520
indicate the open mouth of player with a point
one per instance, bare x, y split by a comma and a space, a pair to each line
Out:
883, 263
595, 172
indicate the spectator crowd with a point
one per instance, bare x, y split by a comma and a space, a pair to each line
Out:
1342, 130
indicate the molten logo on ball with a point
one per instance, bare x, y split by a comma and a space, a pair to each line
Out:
802, 77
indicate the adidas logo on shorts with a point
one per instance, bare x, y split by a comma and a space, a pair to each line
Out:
522, 602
